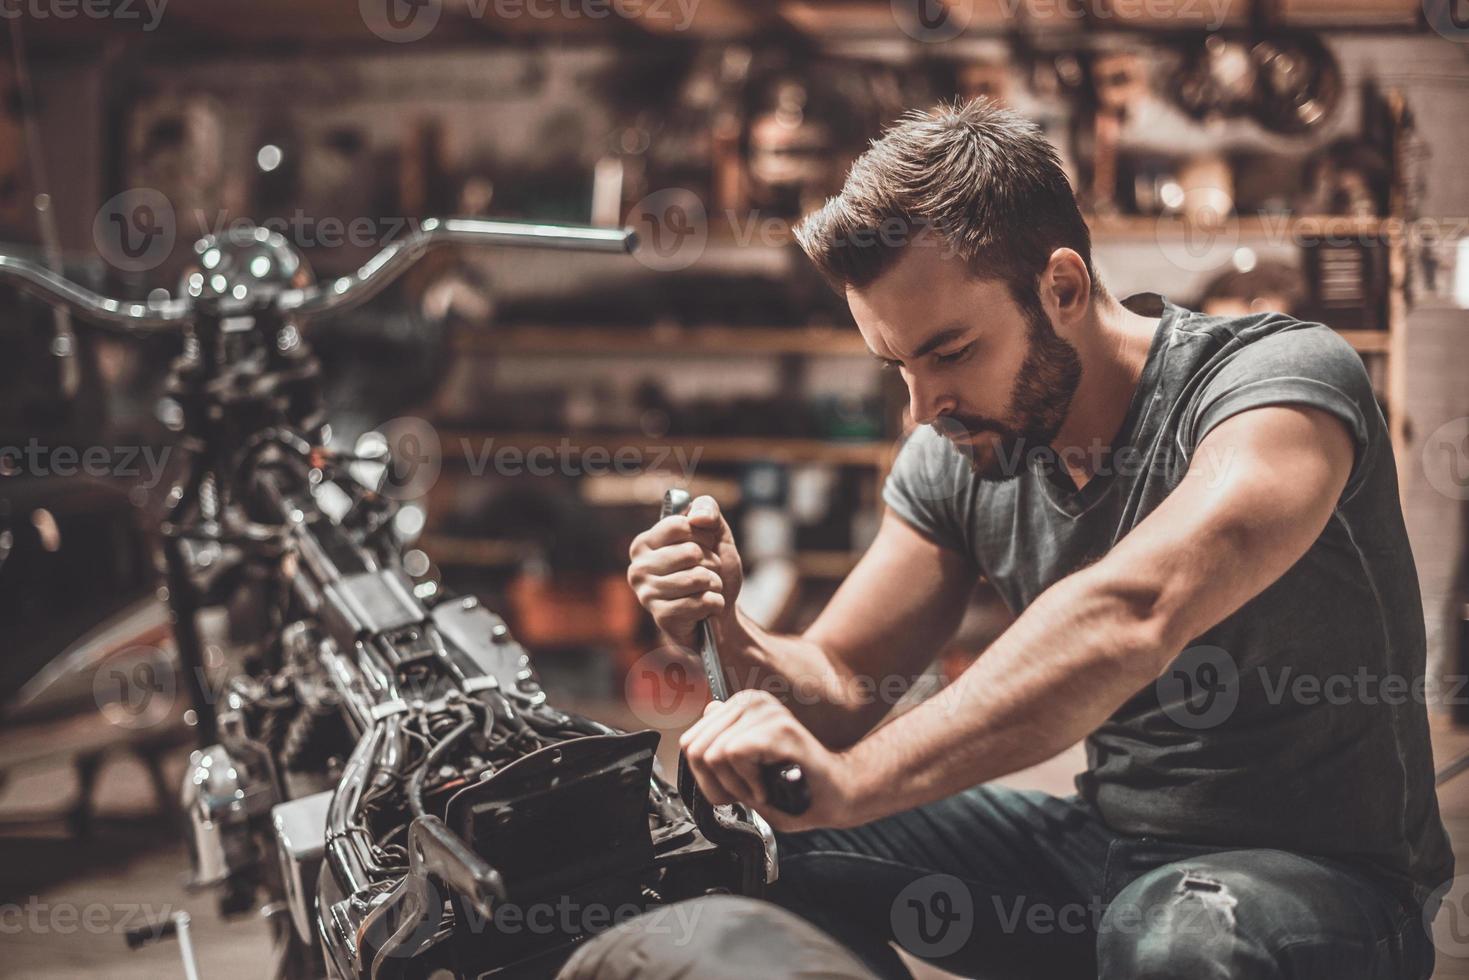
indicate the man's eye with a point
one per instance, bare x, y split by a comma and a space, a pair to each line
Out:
956, 356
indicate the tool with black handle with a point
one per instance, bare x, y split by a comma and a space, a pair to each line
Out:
785, 784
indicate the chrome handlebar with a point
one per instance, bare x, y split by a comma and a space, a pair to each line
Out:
130, 317
350, 291
322, 299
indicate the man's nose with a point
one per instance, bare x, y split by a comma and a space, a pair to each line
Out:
927, 401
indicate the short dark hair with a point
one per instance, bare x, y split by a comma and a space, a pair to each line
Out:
973, 177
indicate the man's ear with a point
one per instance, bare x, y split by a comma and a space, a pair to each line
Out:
1066, 286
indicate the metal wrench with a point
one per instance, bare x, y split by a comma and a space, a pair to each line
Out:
784, 782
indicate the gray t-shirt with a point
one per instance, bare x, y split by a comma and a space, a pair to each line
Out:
1299, 721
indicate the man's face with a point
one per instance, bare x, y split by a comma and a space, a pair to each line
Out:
988, 373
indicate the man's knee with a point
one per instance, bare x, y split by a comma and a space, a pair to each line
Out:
819, 871
1177, 924
717, 936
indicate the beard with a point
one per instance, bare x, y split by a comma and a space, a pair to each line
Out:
1048, 379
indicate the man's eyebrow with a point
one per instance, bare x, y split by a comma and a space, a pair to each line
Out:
950, 333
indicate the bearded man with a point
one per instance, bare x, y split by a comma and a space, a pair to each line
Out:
1186, 513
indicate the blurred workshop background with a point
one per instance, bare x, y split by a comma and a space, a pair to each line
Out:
1305, 155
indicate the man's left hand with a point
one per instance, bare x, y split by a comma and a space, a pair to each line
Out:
728, 745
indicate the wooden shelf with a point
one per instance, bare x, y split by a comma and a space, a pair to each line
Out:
662, 341
1123, 229
1128, 228
454, 549
674, 449
340, 26
1368, 341
721, 340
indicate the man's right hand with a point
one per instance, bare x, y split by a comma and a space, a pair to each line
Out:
686, 568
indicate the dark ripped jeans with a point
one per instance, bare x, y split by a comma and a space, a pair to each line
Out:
1001, 883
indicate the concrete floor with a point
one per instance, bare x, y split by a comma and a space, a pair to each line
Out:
65, 903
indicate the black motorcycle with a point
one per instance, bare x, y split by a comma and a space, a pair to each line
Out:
385, 776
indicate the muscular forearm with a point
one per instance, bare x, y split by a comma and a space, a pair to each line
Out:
1080, 650
836, 704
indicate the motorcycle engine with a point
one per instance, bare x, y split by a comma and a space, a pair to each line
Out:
392, 779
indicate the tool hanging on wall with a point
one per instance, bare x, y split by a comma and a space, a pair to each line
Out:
1289, 83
